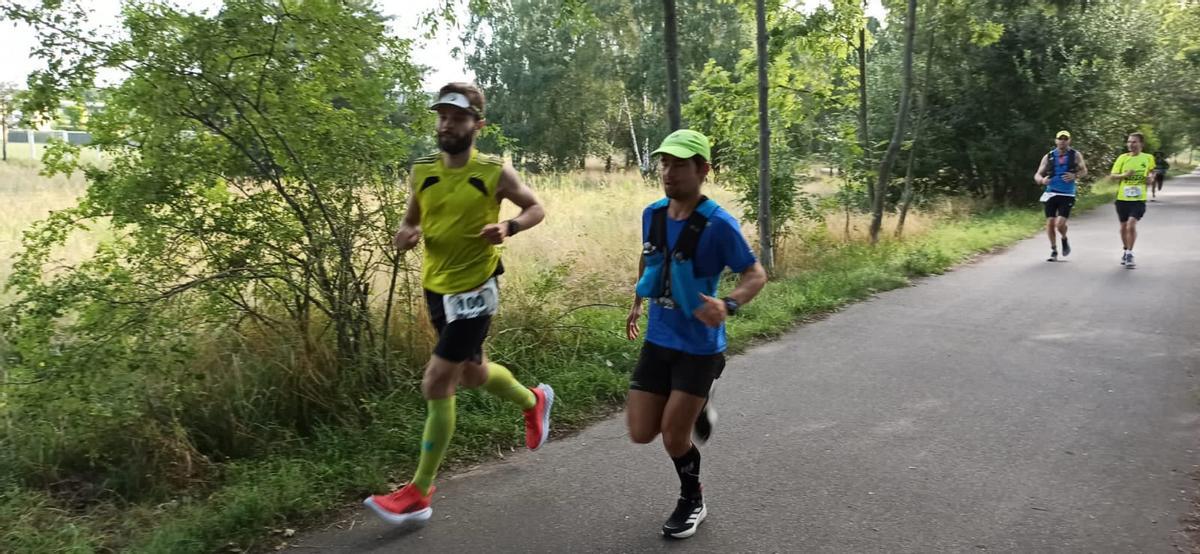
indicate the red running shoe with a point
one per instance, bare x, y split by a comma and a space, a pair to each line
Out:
537, 418
406, 505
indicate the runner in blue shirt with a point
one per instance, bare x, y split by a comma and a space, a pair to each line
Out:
1059, 171
688, 241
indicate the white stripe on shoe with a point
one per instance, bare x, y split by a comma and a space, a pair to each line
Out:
416, 518
549, 392
693, 520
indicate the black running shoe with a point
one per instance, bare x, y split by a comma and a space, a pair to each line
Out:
707, 420
686, 518
1066, 247
1053, 256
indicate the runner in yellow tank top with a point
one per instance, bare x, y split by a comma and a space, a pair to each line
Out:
1135, 170
455, 206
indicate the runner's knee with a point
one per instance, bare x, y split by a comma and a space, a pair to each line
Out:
474, 374
440, 378
642, 435
677, 442
642, 430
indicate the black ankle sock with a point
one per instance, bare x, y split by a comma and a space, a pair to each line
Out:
688, 468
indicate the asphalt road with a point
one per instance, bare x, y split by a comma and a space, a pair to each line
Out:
1012, 405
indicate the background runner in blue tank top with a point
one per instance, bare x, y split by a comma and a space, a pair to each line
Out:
1059, 171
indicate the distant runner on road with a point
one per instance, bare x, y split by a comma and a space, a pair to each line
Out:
1161, 165
1134, 169
1059, 171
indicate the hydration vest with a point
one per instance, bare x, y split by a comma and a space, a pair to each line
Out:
668, 278
1052, 157
1053, 173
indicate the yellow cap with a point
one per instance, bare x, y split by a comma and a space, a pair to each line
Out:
1063, 134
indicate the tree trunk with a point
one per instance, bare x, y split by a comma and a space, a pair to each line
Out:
864, 136
386, 331
907, 195
671, 39
633, 139
764, 144
885, 167
846, 230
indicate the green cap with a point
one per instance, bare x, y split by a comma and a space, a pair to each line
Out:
685, 143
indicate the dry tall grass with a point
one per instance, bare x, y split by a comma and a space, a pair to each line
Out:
591, 233
592, 230
26, 197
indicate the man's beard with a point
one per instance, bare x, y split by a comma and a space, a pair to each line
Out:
453, 145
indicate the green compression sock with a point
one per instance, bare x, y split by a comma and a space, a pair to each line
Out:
500, 382
439, 427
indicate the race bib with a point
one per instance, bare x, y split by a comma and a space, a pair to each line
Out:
1046, 196
480, 302
1133, 192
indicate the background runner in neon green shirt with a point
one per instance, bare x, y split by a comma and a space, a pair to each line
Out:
1134, 169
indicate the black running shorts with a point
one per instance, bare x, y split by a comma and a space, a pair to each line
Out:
661, 370
1059, 206
1131, 208
463, 339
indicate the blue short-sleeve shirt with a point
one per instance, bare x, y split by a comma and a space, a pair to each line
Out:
721, 245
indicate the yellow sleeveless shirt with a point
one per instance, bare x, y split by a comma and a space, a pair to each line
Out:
455, 206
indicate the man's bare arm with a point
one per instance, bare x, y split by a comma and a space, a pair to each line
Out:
749, 284
1040, 177
511, 188
409, 233
514, 190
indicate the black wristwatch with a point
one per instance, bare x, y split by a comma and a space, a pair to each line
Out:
731, 306
513, 227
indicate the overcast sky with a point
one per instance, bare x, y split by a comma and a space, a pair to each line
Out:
17, 42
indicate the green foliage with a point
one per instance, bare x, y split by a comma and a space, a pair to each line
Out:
994, 104
542, 69
251, 188
567, 80
1175, 87
1087, 66
808, 75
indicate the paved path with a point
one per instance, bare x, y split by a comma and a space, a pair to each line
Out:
1012, 405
